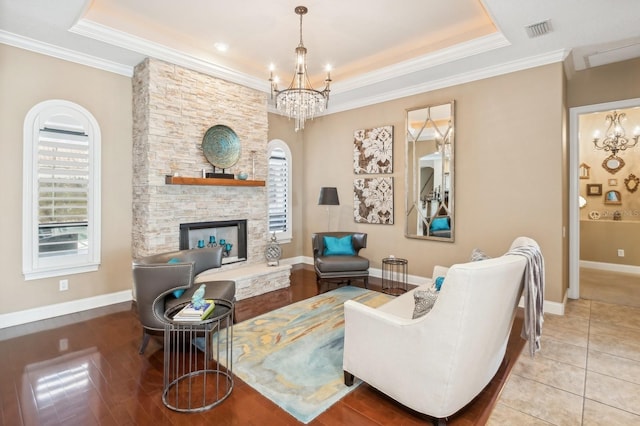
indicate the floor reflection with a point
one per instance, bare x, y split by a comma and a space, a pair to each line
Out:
59, 383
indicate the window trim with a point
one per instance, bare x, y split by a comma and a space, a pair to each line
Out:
34, 267
282, 236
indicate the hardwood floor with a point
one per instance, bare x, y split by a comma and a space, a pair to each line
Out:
84, 369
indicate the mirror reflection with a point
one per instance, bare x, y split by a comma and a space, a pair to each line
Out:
429, 173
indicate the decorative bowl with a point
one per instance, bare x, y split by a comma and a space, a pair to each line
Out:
242, 176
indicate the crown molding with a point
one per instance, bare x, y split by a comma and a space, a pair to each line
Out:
443, 56
105, 34
453, 80
37, 46
93, 30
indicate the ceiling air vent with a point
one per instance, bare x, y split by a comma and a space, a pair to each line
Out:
538, 29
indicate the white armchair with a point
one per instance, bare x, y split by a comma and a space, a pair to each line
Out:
438, 363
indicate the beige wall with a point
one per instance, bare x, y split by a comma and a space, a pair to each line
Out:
600, 241
26, 79
509, 172
607, 83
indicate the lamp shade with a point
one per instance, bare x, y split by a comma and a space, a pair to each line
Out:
328, 197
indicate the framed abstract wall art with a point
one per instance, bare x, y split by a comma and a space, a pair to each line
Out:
373, 150
373, 200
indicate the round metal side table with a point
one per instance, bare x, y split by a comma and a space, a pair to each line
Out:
198, 371
394, 275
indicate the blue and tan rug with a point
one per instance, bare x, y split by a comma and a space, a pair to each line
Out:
293, 355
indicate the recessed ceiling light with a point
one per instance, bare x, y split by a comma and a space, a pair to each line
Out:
221, 47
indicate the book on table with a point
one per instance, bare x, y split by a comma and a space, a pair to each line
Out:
190, 314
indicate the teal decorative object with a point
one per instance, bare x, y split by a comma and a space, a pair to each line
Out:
198, 297
221, 146
242, 176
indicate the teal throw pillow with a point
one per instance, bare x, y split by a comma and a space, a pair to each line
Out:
334, 246
439, 282
440, 224
176, 293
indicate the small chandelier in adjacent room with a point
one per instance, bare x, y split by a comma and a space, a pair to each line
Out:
615, 139
300, 101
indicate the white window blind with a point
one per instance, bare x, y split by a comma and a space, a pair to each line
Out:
63, 192
278, 191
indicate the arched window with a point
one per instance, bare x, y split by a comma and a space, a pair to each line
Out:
61, 191
279, 190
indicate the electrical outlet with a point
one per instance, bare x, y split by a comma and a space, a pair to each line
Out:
63, 345
620, 253
64, 285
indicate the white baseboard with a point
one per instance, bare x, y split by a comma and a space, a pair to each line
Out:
73, 306
614, 267
548, 307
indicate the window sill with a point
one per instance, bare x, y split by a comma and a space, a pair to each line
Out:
50, 273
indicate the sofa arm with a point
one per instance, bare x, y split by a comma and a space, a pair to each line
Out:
370, 331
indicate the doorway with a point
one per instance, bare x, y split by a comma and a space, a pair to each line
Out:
577, 173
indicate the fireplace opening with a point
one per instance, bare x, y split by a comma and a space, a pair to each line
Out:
230, 234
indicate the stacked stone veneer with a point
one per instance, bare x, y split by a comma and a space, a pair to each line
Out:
173, 108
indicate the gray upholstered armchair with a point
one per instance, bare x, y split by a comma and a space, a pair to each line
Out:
345, 267
159, 274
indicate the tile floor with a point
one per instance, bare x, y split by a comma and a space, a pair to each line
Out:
587, 373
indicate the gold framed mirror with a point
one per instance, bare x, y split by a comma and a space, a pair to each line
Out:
430, 172
612, 163
631, 183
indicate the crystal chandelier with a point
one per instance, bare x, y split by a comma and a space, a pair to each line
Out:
300, 101
615, 139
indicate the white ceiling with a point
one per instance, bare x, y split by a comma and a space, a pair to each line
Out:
379, 50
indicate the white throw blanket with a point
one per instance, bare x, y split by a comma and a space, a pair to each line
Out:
533, 295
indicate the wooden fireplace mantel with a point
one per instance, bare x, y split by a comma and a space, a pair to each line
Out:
180, 180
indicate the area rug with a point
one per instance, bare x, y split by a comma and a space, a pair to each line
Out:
293, 355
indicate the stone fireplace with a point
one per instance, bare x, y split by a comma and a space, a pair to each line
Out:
173, 108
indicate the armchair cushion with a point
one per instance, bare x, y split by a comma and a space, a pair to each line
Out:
338, 246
